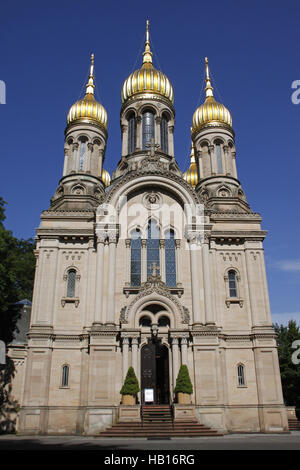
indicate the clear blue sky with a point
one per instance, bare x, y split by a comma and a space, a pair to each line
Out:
253, 50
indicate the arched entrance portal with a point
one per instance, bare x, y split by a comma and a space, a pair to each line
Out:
155, 372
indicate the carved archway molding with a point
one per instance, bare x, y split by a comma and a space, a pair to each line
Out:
154, 290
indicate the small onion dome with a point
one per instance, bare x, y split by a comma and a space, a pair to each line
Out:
88, 109
147, 79
105, 177
191, 175
210, 112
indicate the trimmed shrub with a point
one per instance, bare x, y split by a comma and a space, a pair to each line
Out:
183, 382
131, 384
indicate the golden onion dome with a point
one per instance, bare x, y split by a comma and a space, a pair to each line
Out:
210, 112
191, 175
88, 109
147, 79
105, 177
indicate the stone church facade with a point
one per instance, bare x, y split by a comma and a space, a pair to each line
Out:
151, 254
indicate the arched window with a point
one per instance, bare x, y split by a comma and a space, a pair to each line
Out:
232, 282
65, 376
82, 152
71, 281
147, 128
152, 246
164, 134
145, 321
135, 267
163, 321
170, 258
219, 157
131, 133
241, 375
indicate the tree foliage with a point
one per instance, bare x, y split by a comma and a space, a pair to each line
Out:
290, 372
17, 264
131, 384
183, 382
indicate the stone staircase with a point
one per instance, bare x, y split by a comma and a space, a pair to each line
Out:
294, 424
157, 423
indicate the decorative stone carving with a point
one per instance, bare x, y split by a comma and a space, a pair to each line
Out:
154, 284
152, 201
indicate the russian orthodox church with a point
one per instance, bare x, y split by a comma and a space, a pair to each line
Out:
149, 256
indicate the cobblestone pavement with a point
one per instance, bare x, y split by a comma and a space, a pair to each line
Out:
229, 442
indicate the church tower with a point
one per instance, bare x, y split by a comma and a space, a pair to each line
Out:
214, 142
147, 112
84, 177
152, 269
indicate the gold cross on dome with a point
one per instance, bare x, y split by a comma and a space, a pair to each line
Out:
152, 147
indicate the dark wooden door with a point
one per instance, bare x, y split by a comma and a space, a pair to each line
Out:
148, 368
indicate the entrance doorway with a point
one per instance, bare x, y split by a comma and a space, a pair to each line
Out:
155, 372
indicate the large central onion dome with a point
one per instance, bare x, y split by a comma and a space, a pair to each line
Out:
147, 80
88, 109
210, 112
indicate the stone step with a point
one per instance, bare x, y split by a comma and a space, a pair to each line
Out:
157, 423
294, 424
160, 434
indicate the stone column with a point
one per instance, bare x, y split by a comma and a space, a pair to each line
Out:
200, 164
162, 259
111, 278
125, 351
226, 170
134, 352
100, 164
209, 314
175, 360
184, 346
213, 162
98, 317
195, 279
171, 140
124, 129
252, 294
234, 170
88, 160
37, 284
66, 161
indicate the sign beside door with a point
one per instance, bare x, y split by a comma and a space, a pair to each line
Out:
148, 395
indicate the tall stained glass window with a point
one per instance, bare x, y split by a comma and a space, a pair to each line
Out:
135, 268
152, 246
131, 134
147, 128
164, 134
71, 279
170, 258
232, 283
82, 155
219, 158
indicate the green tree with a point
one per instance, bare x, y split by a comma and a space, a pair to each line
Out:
183, 382
17, 264
131, 384
290, 373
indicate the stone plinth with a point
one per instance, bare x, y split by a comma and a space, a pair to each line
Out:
129, 414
